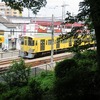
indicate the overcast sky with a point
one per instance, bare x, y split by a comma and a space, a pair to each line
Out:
55, 7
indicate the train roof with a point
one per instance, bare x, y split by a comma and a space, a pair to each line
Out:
40, 35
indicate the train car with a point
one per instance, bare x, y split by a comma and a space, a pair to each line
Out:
40, 43
1, 41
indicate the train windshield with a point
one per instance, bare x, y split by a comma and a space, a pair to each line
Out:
30, 41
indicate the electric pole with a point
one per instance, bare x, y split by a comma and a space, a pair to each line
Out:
63, 10
52, 40
63, 15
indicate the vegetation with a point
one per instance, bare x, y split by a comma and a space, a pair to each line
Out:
34, 5
91, 9
17, 84
75, 78
89, 15
17, 75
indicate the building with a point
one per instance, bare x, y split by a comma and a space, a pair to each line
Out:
42, 24
10, 32
7, 11
12, 28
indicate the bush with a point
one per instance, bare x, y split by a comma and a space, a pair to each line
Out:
46, 80
35, 90
32, 91
63, 67
77, 81
10, 95
17, 75
3, 88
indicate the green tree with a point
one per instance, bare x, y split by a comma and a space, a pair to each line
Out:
18, 74
76, 78
91, 8
34, 5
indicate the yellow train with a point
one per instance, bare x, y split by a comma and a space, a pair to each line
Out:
1, 40
41, 43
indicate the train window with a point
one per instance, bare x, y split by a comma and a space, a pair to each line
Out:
22, 41
64, 41
49, 42
30, 42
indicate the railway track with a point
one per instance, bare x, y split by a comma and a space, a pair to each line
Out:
32, 63
45, 61
3, 62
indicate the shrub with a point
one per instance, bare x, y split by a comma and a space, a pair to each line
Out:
46, 80
17, 75
3, 88
35, 90
10, 95
63, 67
77, 78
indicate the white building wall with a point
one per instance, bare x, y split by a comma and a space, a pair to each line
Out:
17, 35
8, 36
19, 20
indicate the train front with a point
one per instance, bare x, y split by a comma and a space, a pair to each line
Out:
27, 47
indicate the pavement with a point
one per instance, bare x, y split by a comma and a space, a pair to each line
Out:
9, 54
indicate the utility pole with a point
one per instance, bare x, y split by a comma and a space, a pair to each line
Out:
63, 11
29, 9
52, 40
63, 15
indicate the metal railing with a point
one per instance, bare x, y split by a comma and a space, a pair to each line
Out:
42, 68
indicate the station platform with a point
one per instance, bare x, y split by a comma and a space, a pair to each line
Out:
9, 54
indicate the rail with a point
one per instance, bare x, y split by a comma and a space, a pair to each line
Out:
37, 63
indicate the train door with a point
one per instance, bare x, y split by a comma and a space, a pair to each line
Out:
36, 46
58, 43
42, 44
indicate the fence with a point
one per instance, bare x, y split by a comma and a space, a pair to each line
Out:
41, 68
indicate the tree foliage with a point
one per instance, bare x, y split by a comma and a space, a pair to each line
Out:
77, 78
91, 8
17, 75
34, 5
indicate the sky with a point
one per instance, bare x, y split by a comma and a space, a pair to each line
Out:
55, 7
